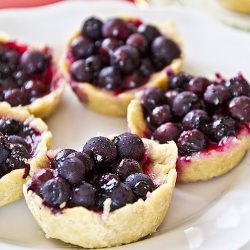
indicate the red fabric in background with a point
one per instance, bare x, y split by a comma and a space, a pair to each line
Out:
28, 3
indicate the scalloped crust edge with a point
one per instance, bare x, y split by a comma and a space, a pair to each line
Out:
11, 183
89, 229
116, 105
204, 166
45, 105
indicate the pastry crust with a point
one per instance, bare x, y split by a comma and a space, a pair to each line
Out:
107, 102
236, 5
11, 183
89, 229
202, 166
44, 106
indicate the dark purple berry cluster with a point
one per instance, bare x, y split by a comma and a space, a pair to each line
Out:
119, 54
25, 74
196, 112
16, 141
104, 169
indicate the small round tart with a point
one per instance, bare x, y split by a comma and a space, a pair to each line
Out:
108, 62
208, 120
112, 193
24, 141
29, 77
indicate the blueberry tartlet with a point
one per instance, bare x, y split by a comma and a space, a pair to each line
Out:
107, 62
29, 77
24, 141
113, 192
208, 120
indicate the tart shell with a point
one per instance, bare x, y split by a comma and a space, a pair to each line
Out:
112, 103
89, 229
44, 106
11, 183
201, 166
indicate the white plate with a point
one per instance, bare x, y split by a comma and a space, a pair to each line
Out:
209, 215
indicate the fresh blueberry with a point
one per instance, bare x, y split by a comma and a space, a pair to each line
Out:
149, 31
15, 97
55, 192
4, 148
21, 77
79, 73
60, 156
108, 46
191, 141
239, 108
93, 63
216, 95
34, 62
126, 58
238, 87
109, 79
84, 195
170, 95
134, 80
167, 132
116, 28
10, 126
196, 118
184, 102
138, 41
15, 139
146, 68
221, 127
106, 182
81, 47
164, 51
92, 28
141, 184
129, 146
102, 150
198, 85
179, 81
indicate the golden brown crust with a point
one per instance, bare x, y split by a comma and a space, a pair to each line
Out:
11, 183
44, 106
89, 229
237, 5
204, 166
108, 103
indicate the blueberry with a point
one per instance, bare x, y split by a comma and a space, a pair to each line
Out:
15, 97
238, 87
126, 58
34, 62
141, 184
134, 80
149, 31
166, 132
106, 182
221, 127
164, 51
39, 178
239, 108
120, 196
198, 85
5, 70
35, 89
184, 102
92, 28
60, 156
84, 195
10, 126
195, 119
81, 47
55, 192
146, 68
109, 79
127, 167
79, 73
129, 146
15, 139
152, 97
21, 77
170, 95
138, 41
19, 151
4, 148
191, 141
179, 81
102, 150
160, 114
216, 95
11, 58
72, 169
93, 63
116, 28
108, 46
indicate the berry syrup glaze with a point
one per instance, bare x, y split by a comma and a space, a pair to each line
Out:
26, 74
118, 54
115, 169
200, 115
18, 143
